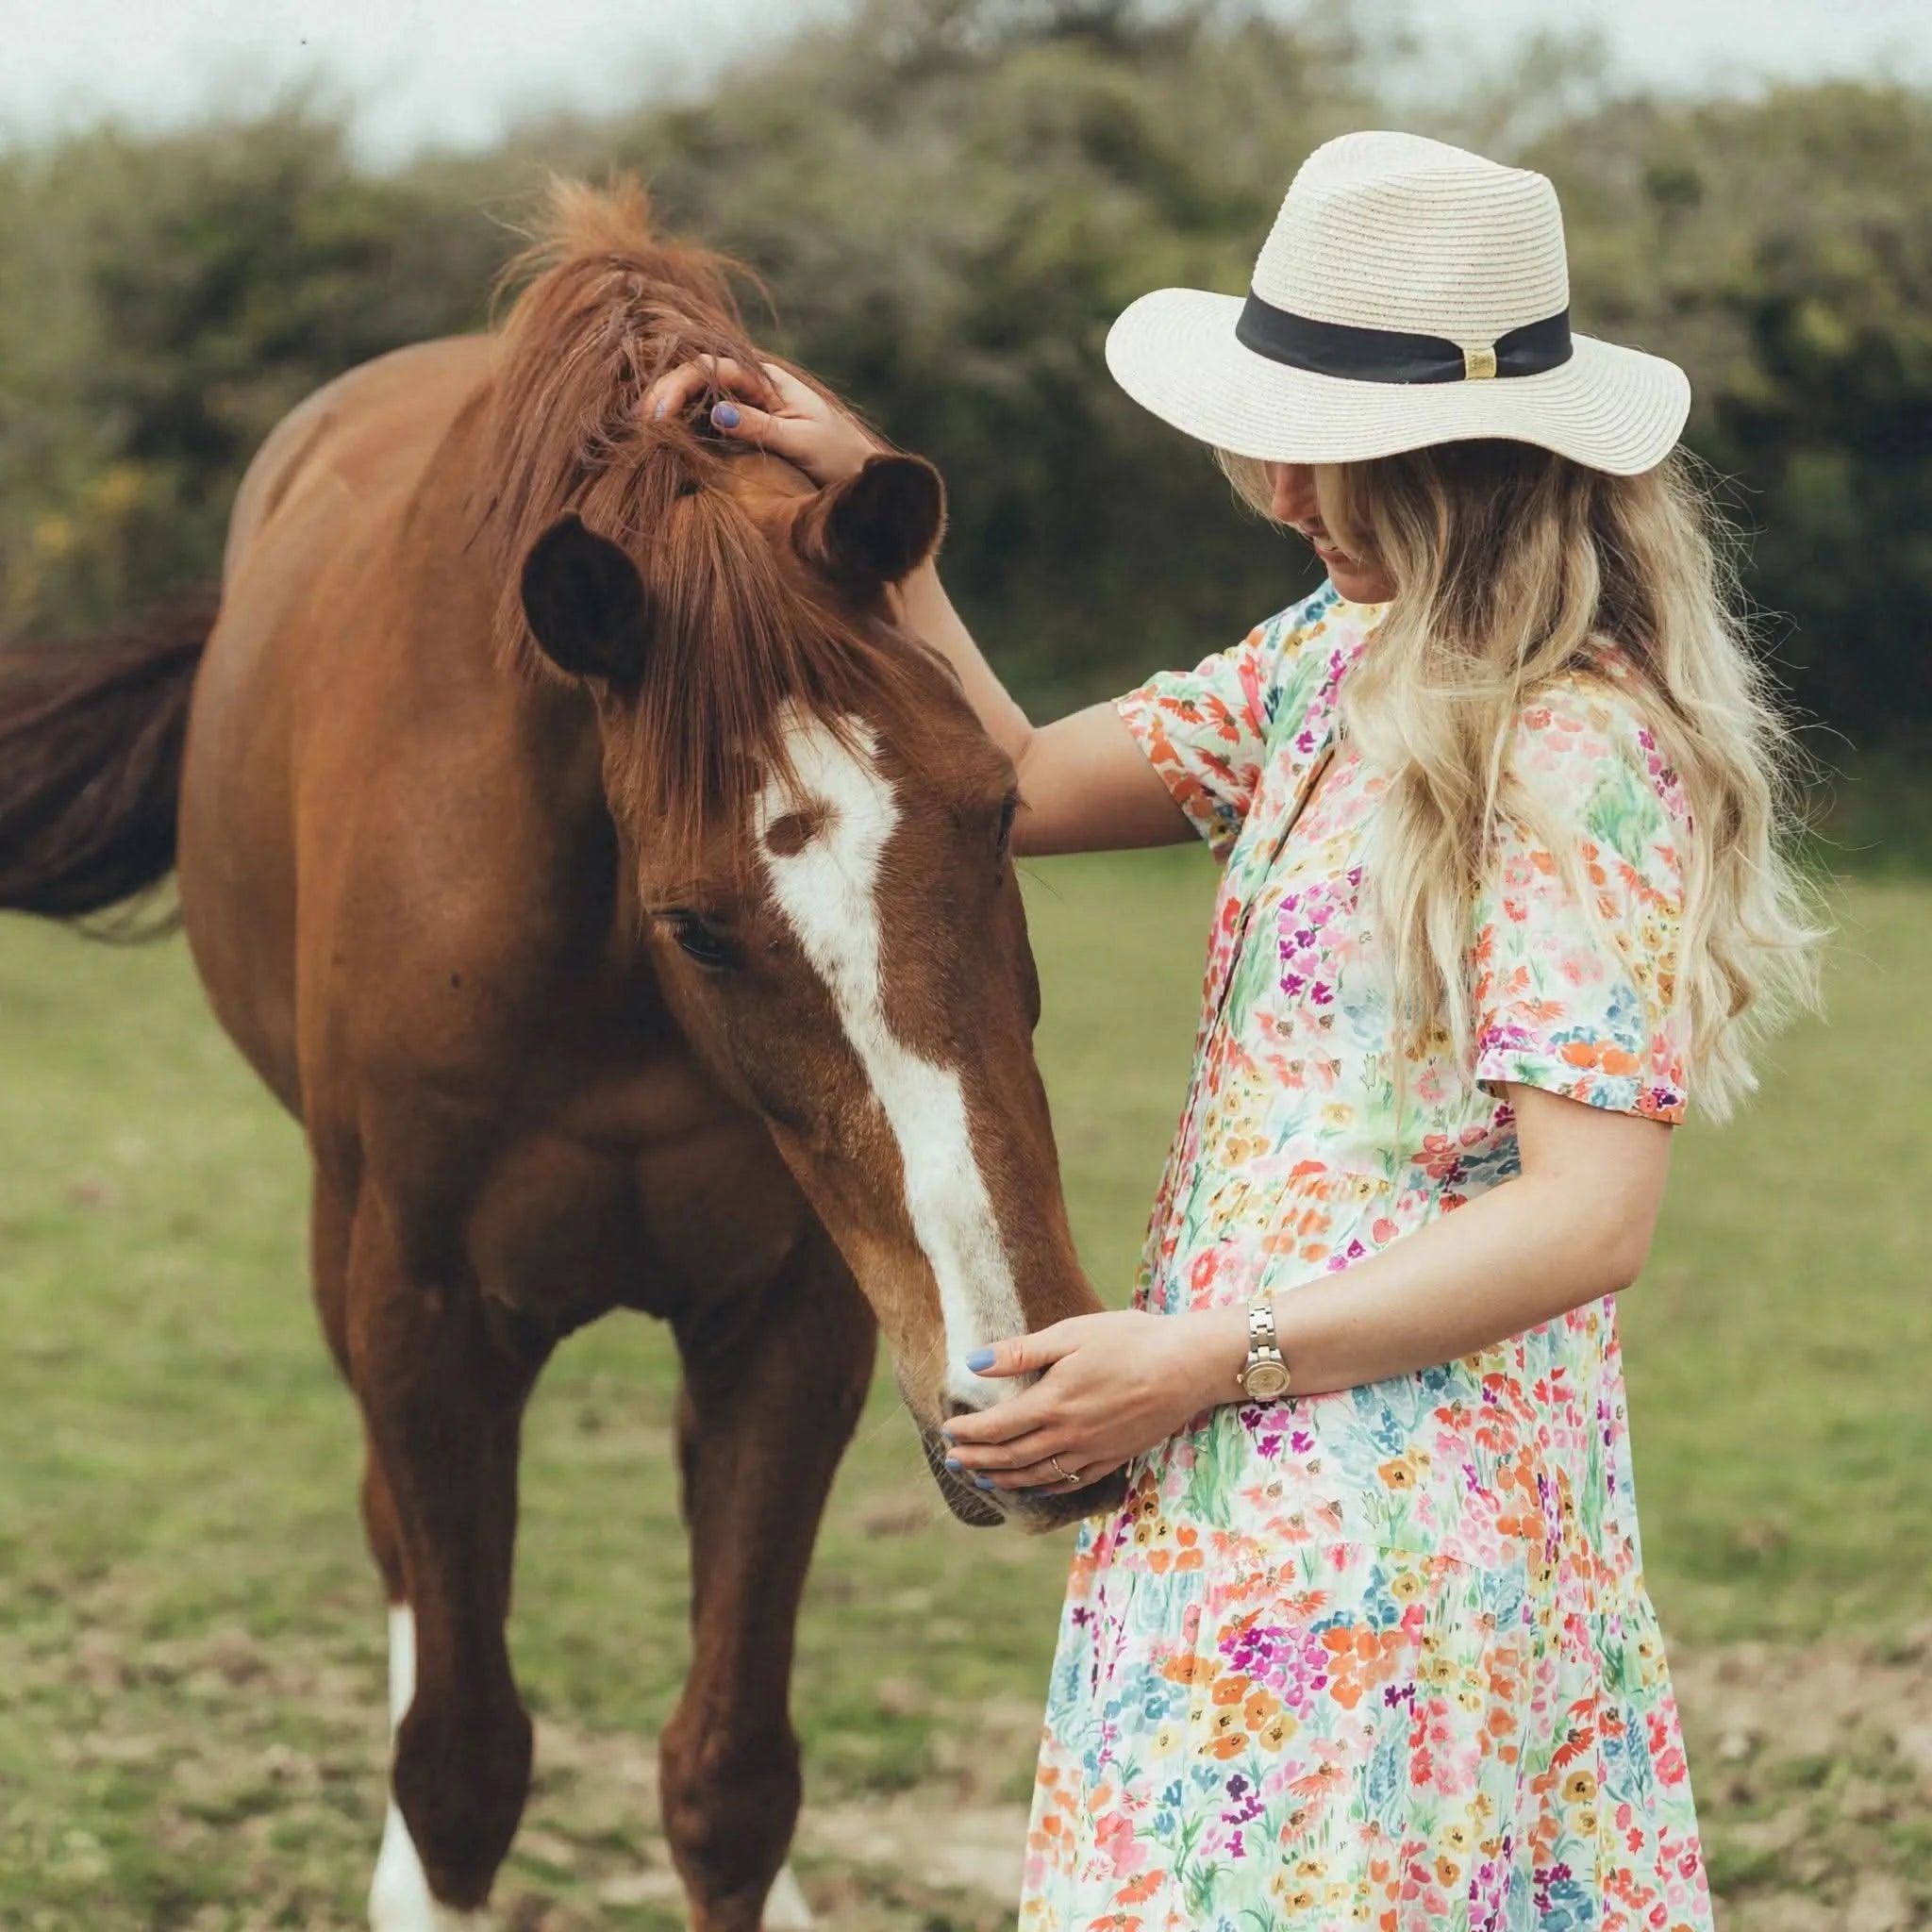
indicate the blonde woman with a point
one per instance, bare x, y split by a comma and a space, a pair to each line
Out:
1369, 1644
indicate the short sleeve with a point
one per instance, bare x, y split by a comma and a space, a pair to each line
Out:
1578, 918
1206, 731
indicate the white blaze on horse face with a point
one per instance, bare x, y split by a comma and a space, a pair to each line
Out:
828, 892
399, 1897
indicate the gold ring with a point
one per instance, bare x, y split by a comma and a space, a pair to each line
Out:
1064, 1476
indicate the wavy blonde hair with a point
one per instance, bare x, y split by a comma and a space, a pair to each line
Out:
1512, 567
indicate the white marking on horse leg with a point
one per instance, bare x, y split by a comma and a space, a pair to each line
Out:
828, 892
399, 1896
402, 1664
786, 1910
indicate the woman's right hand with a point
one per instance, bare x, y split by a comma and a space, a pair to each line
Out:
769, 409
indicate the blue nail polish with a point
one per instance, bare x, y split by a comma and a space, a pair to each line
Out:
725, 415
979, 1361
980, 1482
954, 1463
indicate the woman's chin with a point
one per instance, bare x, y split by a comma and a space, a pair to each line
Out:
1358, 586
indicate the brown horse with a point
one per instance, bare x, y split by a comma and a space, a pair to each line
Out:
572, 842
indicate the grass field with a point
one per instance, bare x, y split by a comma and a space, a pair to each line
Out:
190, 1636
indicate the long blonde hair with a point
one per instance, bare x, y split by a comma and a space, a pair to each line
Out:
1511, 567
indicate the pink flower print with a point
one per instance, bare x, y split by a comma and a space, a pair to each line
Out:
1440, 1158
1303, 1672
1263, 1423
1666, 1747
1114, 1840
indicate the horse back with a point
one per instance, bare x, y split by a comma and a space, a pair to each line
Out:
308, 606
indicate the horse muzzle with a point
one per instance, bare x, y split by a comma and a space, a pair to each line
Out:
1033, 1510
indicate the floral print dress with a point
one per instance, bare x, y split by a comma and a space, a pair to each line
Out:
1385, 1657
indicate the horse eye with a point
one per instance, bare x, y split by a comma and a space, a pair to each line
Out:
699, 941
1008, 812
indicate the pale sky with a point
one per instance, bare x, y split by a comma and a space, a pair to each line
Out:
424, 72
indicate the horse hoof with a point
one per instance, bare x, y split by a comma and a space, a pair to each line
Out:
785, 1908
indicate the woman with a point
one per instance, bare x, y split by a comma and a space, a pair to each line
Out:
1369, 1642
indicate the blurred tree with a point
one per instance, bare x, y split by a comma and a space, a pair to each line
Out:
949, 201
1781, 250
166, 301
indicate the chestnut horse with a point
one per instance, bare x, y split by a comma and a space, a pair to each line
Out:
574, 844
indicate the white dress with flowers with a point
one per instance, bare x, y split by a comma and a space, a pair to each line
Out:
1381, 1657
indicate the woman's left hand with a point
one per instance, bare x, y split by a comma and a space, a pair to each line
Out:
1113, 1385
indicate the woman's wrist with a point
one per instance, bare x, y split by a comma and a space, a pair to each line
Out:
1217, 1352
919, 598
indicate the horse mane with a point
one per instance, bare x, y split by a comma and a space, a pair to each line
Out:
738, 644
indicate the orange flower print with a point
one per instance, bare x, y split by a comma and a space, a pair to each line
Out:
1276, 1731
1361, 1660
1226, 1738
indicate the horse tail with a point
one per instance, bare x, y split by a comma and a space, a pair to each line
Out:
91, 739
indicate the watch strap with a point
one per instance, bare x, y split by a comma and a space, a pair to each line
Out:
1264, 1352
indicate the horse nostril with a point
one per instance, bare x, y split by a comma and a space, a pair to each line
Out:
955, 1406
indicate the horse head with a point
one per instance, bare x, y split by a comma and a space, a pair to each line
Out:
817, 830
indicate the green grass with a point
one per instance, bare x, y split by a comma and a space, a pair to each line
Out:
190, 1663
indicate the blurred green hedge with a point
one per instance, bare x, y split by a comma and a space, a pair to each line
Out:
949, 200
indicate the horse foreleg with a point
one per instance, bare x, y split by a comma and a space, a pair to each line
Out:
771, 1392
441, 1399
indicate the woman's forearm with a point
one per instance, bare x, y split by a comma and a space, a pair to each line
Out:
1085, 785
1507, 1260
1116, 1383
1573, 1226
928, 613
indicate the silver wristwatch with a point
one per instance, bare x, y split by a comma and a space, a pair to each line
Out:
1264, 1376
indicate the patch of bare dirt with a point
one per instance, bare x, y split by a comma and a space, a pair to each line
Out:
1813, 1770
261, 1764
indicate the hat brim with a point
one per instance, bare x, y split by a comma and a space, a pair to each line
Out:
1175, 353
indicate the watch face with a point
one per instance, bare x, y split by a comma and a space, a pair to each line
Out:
1266, 1380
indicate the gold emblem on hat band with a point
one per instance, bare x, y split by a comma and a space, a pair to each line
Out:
1478, 362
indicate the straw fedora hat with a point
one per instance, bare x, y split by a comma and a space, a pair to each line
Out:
1411, 293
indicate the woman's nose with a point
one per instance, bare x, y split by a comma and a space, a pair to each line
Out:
1294, 494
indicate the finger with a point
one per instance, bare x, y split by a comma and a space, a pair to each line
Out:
679, 387
977, 1460
1022, 1355
799, 397
1068, 1473
676, 389
1033, 1408
783, 436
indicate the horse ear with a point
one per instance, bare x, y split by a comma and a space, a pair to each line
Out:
876, 526
585, 603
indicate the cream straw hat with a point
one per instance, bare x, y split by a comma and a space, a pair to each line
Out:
1409, 294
